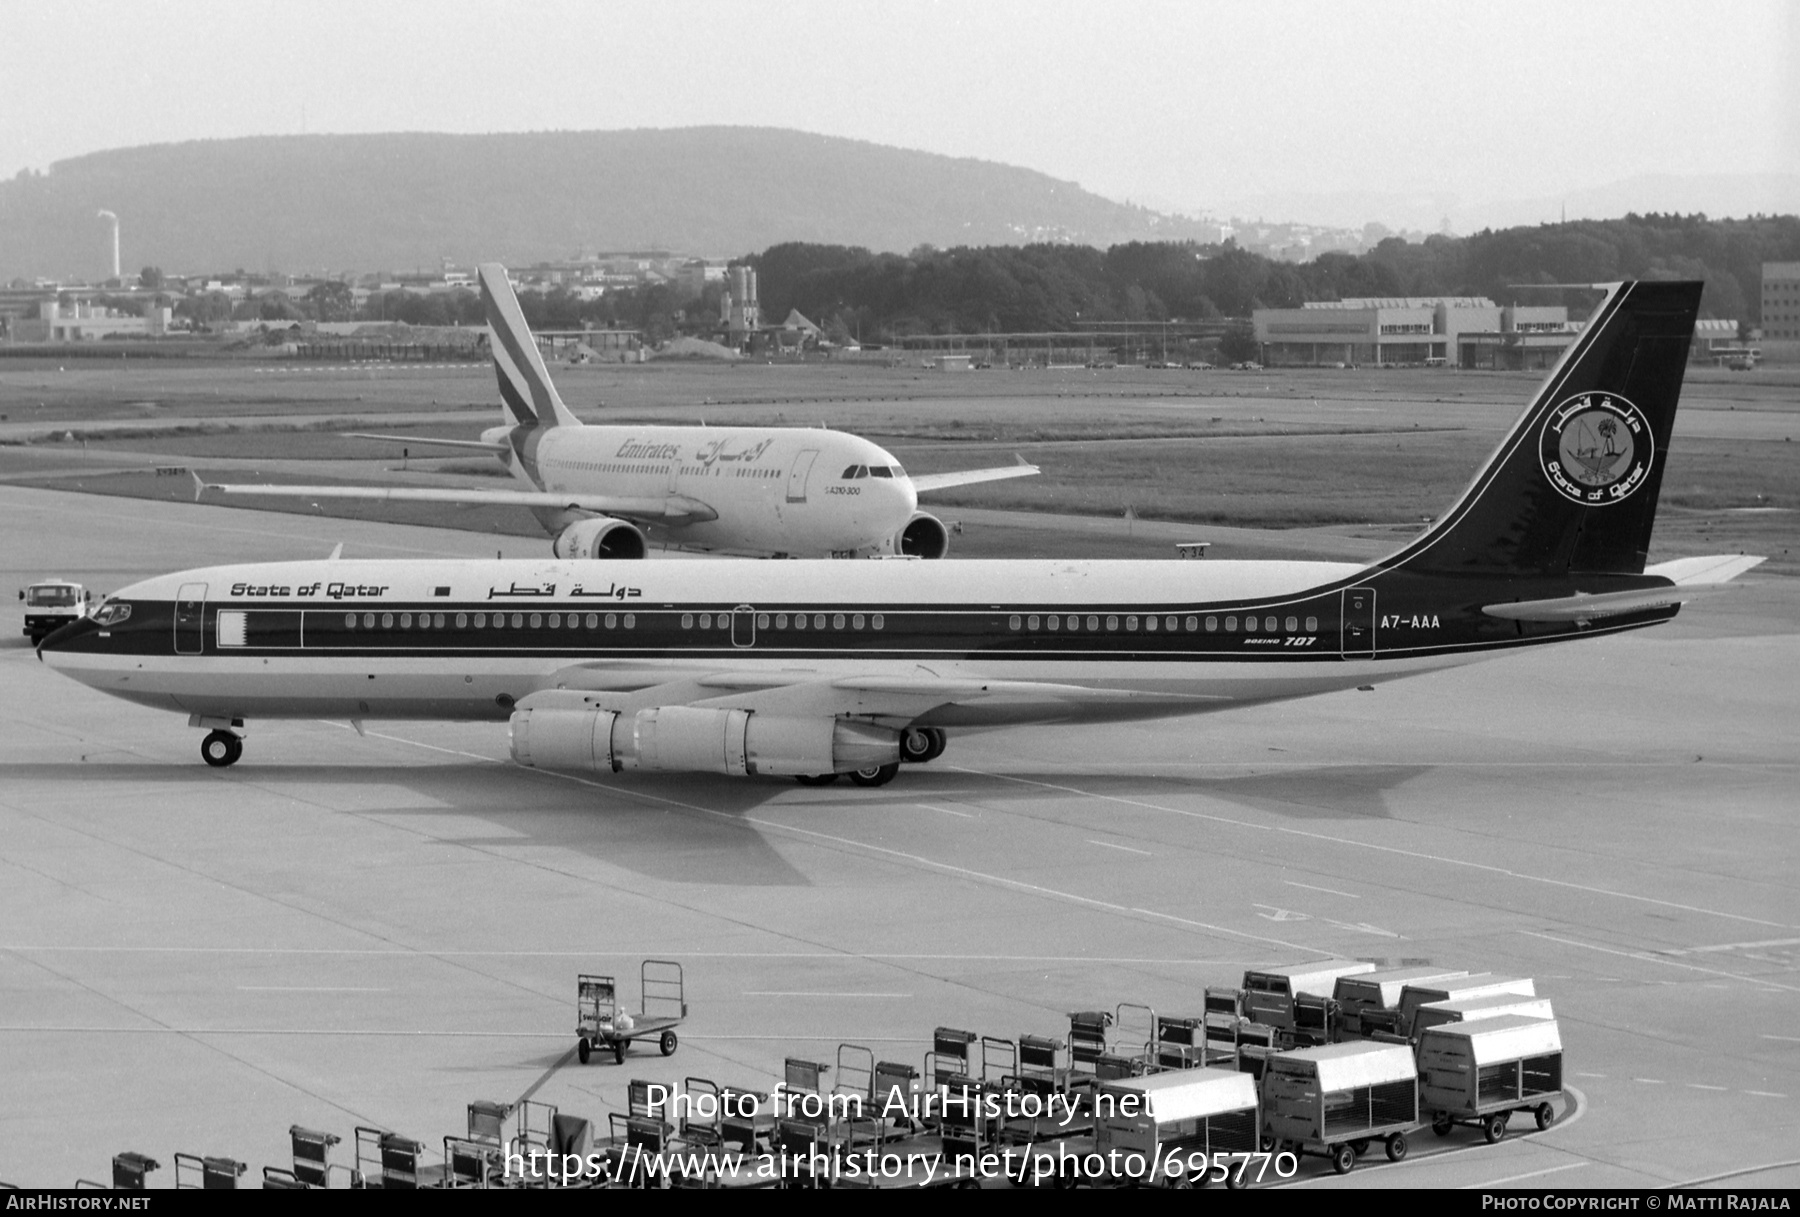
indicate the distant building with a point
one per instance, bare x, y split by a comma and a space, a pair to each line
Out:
1420, 331
84, 322
739, 310
1780, 312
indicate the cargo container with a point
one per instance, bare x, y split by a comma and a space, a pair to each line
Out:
1481, 1072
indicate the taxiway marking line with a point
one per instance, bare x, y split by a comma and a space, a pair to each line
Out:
1704, 1086
633, 954
949, 811
1548, 1170
1766, 1094
1789, 1039
1651, 957
1309, 887
308, 989
1126, 848
388, 1033
1733, 946
1386, 849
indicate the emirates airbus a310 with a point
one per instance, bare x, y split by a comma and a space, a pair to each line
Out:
614, 492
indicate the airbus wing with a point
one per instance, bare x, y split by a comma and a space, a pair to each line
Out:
479, 444
940, 481
670, 509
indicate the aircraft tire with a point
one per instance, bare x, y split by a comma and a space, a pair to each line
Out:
879, 775
221, 748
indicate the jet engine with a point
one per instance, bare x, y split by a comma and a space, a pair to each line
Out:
694, 739
600, 537
923, 537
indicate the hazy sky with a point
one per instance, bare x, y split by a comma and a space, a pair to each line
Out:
1173, 104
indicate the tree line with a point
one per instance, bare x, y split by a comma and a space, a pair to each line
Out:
858, 295
1061, 287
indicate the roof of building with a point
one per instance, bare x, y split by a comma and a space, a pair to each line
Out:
1403, 302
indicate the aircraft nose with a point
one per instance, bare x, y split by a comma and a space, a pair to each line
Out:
65, 638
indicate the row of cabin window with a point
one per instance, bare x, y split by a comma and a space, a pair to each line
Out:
438, 621
1168, 624
779, 621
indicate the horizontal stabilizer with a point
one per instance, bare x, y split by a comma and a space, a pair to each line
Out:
1582, 609
940, 481
1715, 568
670, 509
481, 444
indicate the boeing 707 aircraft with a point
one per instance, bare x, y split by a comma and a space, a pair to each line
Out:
610, 492
816, 669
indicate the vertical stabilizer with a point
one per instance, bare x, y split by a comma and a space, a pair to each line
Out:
1572, 489
527, 397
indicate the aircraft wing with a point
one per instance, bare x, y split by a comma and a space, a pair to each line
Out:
1692, 579
894, 699
428, 440
669, 509
939, 481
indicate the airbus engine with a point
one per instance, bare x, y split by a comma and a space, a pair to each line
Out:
923, 537
692, 739
600, 537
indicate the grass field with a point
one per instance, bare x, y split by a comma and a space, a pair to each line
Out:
1276, 449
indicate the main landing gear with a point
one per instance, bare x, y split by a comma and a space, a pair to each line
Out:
921, 744
221, 748
917, 745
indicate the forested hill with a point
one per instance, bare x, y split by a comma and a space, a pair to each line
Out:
372, 202
1045, 287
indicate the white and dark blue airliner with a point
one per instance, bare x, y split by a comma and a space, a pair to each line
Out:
814, 669
614, 492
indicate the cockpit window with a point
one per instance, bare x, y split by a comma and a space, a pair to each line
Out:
880, 471
51, 595
849, 473
111, 613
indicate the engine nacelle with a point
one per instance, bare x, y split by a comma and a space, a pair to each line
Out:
690, 739
600, 537
924, 536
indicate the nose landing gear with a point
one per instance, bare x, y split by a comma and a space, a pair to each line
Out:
221, 748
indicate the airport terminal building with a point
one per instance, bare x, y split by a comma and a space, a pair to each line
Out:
1414, 331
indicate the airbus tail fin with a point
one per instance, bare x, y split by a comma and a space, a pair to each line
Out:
1572, 488
527, 397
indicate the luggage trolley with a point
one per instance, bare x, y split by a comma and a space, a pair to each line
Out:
1333, 1101
1375, 992
1481, 1072
601, 1022
1177, 1116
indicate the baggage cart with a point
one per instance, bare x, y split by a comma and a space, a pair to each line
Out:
1471, 1009
1180, 1117
1269, 993
1479, 984
1334, 1100
601, 1022
1481, 1072
1380, 990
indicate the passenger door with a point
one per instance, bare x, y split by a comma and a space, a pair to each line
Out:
190, 619
796, 487
743, 626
